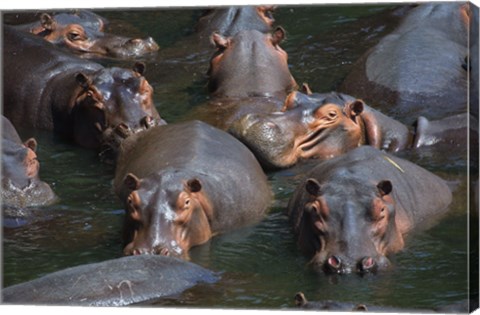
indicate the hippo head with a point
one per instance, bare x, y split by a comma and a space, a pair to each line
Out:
350, 228
167, 214
21, 185
307, 127
81, 35
230, 20
109, 98
250, 63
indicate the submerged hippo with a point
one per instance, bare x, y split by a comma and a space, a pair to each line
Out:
418, 69
182, 184
325, 125
352, 211
77, 99
83, 32
21, 185
302, 302
117, 282
248, 73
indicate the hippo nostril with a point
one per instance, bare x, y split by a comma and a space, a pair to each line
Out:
334, 264
367, 264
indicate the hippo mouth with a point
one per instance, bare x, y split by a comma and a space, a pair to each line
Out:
306, 145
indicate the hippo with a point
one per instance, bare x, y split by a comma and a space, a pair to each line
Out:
248, 73
230, 20
21, 184
419, 68
179, 183
78, 99
82, 32
302, 302
116, 282
325, 125
351, 212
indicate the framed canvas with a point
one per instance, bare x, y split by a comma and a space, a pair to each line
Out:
291, 156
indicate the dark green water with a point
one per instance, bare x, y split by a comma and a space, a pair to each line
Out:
261, 265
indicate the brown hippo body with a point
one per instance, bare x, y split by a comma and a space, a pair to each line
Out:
325, 125
352, 211
248, 73
419, 68
184, 183
21, 185
82, 32
78, 99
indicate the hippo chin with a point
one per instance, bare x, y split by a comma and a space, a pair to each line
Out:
325, 125
83, 32
21, 185
352, 211
180, 184
77, 99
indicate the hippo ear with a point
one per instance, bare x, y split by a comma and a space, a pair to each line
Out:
194, 185
300, 299
83, 80
221, 42
47, 22
384, 187
313, 187
306, 89
139, 67
355, 108
360, 308
31, 144
278, 35
131, 182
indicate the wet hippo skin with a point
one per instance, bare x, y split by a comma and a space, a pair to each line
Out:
117, 282
21, 184
78, 99
325, 125
184, 183
82, 32
248, 73
418, 69
351, 212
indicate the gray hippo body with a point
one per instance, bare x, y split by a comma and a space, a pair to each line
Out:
117, 282
352, 211
418, 69
183, 183
21, 184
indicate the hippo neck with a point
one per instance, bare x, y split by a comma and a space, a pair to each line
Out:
385, 133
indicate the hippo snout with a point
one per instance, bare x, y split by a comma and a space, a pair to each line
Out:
339, 265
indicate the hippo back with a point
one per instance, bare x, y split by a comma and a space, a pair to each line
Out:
233, 179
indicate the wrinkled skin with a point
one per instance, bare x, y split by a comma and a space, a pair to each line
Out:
326, 125
351, 212
83, 32
229, 21
420, 63
250, 64
21, 185
77, 99
174, 181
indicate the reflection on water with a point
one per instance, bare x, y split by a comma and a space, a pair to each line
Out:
261, 265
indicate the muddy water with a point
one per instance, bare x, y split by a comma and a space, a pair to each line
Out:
261, 265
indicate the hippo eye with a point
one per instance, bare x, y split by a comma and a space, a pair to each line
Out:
332, 115
73, 36
187, 203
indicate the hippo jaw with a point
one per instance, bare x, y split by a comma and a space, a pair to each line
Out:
344, 236
37, 193
166, 221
